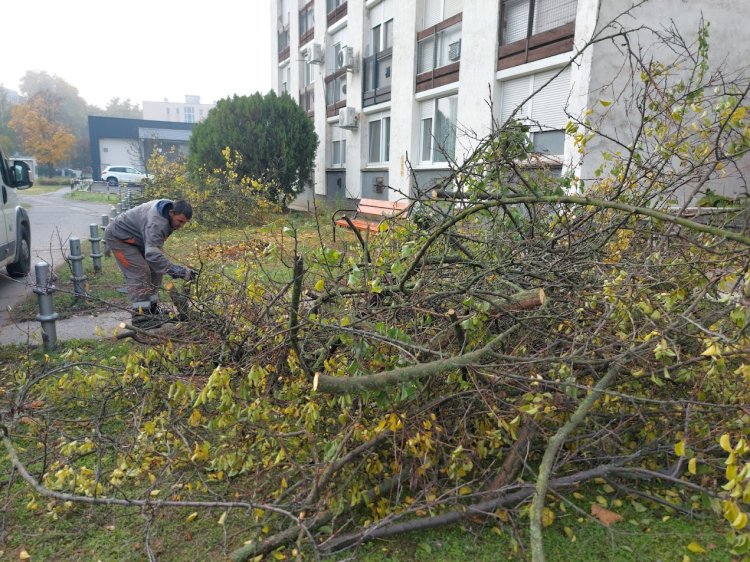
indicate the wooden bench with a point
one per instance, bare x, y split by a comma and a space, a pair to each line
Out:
369, 214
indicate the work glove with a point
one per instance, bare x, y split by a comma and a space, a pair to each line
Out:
182, 272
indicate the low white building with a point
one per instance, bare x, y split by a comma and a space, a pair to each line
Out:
394, 86
189, 111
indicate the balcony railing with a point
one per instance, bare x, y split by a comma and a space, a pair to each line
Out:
377, 76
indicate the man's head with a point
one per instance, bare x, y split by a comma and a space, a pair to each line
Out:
180, 213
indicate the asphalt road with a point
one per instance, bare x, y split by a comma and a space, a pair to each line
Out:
54, 220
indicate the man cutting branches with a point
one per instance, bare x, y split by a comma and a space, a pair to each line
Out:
136, 239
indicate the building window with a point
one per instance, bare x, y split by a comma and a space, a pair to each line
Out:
542, 110
189, 115
377, 64
439, 49
335, 10
544, 15
438, 118
338, 153
532, 30
331, 5
306, 22
435, 11
336, 90
337, 42
284, 78
382, 36
379, 139
307, 89
283, 25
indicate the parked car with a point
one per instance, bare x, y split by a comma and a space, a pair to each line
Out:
115, 175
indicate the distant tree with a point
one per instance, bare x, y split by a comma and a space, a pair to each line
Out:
273, 136
40, 130
8, 138
72, 111
124, 108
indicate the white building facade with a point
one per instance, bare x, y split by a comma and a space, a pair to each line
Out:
397, 89
189, 111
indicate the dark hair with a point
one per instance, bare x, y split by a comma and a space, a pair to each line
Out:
182, 207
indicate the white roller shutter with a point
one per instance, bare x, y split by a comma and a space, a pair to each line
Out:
452, 7
548, 105
432, 13
513, 93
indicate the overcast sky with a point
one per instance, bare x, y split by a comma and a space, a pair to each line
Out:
141, 49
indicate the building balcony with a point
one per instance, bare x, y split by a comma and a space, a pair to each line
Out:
377, 77
336, 10
439, 54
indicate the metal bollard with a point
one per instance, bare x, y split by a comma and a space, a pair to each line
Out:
77, 258
95, 254
47, 315
118, 209
113, 212
105, 222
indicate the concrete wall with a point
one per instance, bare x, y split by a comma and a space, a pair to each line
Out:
606, 71
119, 152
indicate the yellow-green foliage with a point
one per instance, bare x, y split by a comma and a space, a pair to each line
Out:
222, 198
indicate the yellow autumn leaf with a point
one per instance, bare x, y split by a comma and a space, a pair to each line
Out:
23, 555
195, 418
679, 448
696, 548
740, 522
464, 490
725, 443
223, 518
692, 465
548, 517
712, 351
605, 103
155, 493
191, 517
320, 285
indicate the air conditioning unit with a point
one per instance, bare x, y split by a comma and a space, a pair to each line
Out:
314, 53
345, 59
348, 118
454, 50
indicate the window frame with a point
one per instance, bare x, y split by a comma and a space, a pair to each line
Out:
383, 121
428, 138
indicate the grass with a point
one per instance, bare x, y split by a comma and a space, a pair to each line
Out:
93, 197
41, 189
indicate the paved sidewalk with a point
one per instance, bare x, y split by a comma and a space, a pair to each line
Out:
100, 326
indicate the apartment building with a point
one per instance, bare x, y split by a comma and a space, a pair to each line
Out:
398, 88
189, 111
